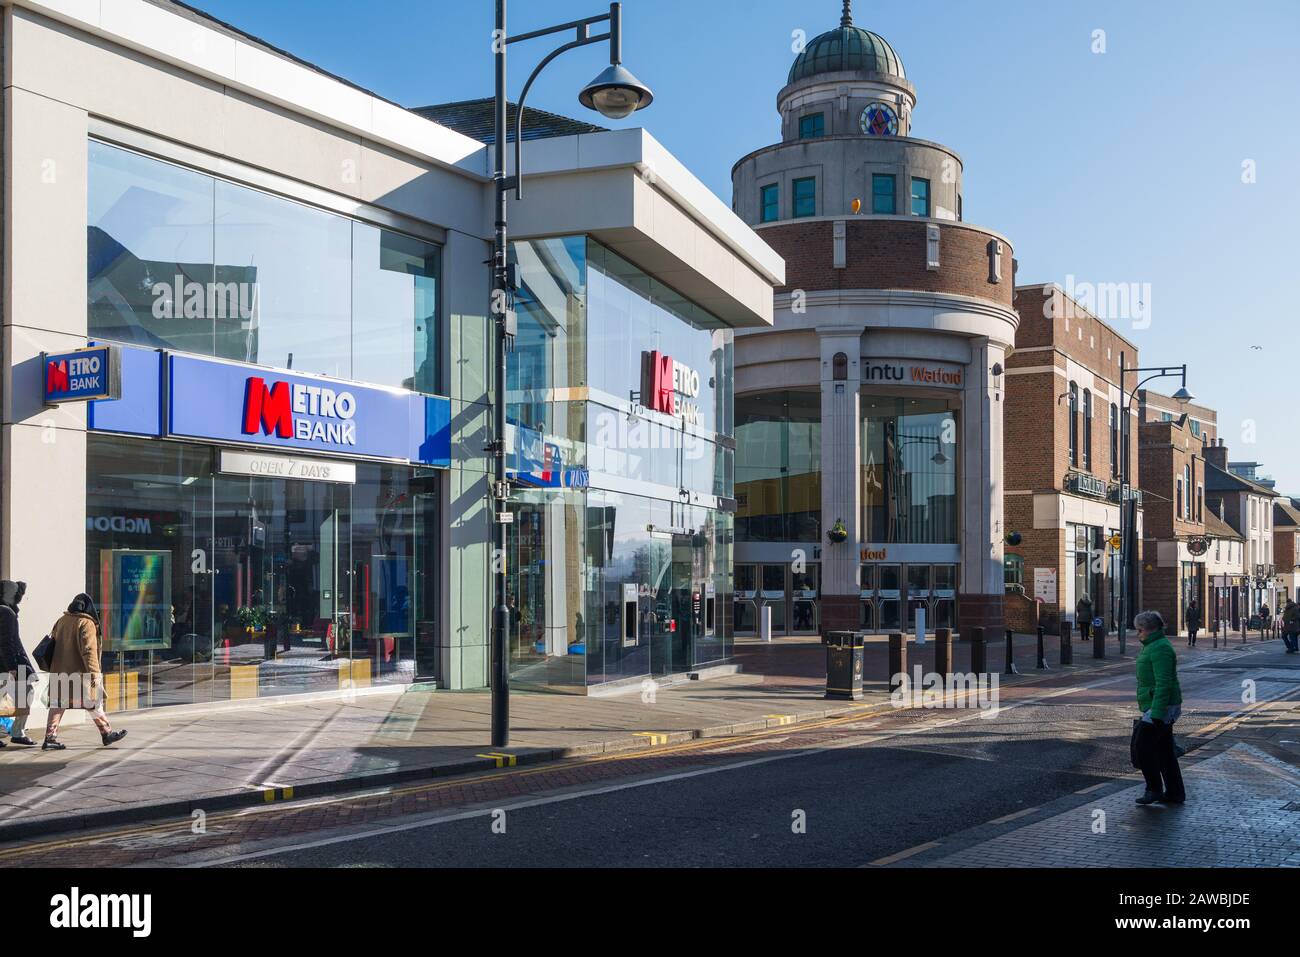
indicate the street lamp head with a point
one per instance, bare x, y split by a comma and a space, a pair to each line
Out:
1182, 396
616, 93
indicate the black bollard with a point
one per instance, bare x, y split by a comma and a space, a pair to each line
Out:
943, 651
1216, 633
1042, 655
978, 652
897, 659
1067, 650
1098, 642
1011, 654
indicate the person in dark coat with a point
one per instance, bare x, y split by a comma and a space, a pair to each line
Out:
15, 667
1291, 627
1193, 617
1083, 617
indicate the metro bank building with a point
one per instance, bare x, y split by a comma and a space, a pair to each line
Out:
247, 375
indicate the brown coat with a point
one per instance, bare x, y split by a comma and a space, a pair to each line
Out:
76, 675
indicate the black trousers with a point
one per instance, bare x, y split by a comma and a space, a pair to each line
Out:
1155, 751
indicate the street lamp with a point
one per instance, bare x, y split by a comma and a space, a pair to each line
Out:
1182, 397
615, 93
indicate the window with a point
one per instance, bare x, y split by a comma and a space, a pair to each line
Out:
920, 197
1114, 440
1013, 572
181, 260
1200, 503
883, 201
1196, 428
1187, 484
909, 457
1074, 425
1179, 504
1087, 430
769, 198
812, 126
778, 467
805, 197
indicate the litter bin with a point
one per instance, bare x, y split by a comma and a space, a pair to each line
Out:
843, 665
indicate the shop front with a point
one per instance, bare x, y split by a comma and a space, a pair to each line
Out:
619, 405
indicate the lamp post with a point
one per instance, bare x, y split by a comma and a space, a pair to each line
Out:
614, 93
1182, 397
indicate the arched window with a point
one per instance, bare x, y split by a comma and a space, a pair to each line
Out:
1074, 424
1087, 430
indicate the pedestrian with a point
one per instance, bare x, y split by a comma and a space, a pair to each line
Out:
1161, 701
15, 666
1193, 618
76, 675
1083, 616
1291, 627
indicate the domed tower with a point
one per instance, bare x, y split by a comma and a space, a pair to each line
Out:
869, 419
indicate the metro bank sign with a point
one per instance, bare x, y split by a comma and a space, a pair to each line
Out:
299, 411
670, 387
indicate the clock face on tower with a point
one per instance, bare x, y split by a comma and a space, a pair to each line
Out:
879, 120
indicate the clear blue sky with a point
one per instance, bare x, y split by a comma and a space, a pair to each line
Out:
1124, 166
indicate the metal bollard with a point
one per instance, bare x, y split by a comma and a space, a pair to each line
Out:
943, 651
897, 660
1067, 650
978, 652
1011, 654
1098, 642
1042, 655
1216, 633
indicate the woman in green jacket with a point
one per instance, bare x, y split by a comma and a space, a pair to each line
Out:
1161, 702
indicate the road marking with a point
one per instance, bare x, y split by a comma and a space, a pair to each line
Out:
502, 760
1095, 787
1011, 817
902, 855
653, 738
743, 744
780, 719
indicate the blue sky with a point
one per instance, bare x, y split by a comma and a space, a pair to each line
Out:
1123, 166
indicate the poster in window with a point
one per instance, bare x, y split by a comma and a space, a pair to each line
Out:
137, 586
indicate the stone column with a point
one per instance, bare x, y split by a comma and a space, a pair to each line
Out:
981, 588
841, 474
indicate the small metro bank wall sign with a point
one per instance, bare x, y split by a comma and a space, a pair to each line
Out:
670, 387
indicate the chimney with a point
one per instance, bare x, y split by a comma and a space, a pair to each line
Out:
1216, 454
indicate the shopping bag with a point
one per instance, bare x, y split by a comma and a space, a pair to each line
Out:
1133, 744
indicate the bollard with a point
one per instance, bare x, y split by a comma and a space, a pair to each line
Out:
1098, 642
978, 652
1042, 655
1067, 650
1011, 654
897, 660
1216, 633
943, 651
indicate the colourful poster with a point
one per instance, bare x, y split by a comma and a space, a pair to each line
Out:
138, 588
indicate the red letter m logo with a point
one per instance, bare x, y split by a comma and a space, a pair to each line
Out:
56, 376
267, 409
658, 386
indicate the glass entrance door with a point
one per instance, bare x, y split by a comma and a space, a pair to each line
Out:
282, 584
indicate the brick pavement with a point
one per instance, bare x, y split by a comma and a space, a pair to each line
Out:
1242, 810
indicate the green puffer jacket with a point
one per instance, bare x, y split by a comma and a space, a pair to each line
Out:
1157, 676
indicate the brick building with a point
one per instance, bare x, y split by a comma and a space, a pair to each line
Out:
1248, 507
1286, 547
869, 420
1175, 543
1062, 472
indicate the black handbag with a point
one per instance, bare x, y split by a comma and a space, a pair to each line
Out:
44, 653
1133, 744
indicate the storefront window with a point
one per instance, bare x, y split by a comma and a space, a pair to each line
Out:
255, 586
778, 467
909, 471
181, 260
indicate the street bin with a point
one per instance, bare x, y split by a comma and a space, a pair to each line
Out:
843, 665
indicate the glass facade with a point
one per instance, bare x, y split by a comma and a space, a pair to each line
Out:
261, 586
778, 467
619, 554
181, 260
216, 585
909, 471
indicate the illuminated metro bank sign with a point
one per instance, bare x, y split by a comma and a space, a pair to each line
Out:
670, 387
171, 395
